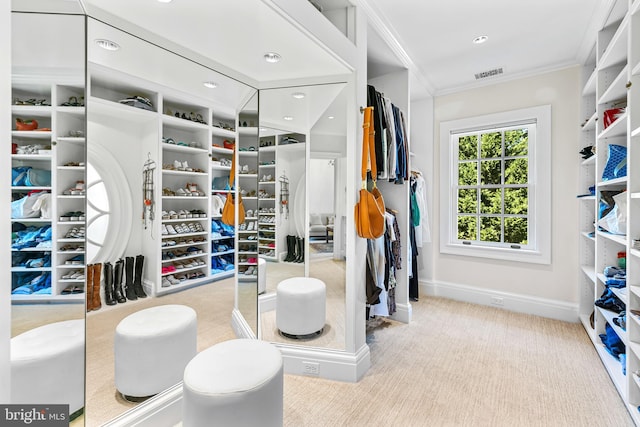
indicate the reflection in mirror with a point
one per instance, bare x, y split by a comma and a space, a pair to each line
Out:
47, 211
161, 262
309, 173
247, 238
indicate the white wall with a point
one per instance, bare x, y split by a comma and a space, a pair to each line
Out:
546, 285
422, 160
321, 186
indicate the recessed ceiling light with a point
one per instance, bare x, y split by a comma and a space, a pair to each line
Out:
107, 44
480, 39
288, 118
298, 95
164, 1
272, 57
210, 85
331, 117
263, 129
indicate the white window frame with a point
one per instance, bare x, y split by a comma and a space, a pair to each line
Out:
538, 249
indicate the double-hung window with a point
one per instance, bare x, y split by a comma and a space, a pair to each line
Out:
495, 186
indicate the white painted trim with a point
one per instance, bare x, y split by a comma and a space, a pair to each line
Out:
266, 302
164, 409
403, 313
539, 185
240, 326
543, 307
333, 364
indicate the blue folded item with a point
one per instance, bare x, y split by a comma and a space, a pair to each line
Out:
611, 271
616, 283
616, 166
612, 342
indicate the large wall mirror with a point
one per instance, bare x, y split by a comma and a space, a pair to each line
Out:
47, 159
302, 173
161, 136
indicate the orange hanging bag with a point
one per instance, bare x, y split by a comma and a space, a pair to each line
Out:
370, 210
228, 211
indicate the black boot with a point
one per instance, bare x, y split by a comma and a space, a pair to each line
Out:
291, 249
117, 282
128, 284
137, 281
108, 283
300, 257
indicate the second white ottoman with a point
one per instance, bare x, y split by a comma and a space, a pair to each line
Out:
301, 307
47, 365
234, 383
152, 348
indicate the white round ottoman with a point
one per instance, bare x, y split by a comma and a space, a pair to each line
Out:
301, 307
47, 365
262, 275
152, 347
234, 383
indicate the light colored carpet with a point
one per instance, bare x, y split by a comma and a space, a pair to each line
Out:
332, 273
458, 364
455, 364
213, 304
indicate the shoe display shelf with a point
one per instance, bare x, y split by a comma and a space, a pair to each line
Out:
587, 199
614, 83
185, 199
223, 250
247, 172
57, 147
190, 133
267, 182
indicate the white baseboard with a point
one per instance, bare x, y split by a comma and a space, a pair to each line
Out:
324, 363
164, 409
543, 307
403, 313
266, 302
240, 326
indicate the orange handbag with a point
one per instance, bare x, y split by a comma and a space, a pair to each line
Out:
228, 211
370, 210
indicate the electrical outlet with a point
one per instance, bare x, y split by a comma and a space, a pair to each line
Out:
497, 301
310, 368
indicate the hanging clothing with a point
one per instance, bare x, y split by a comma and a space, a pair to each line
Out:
422, 229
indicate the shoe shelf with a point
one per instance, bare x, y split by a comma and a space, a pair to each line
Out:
51, 149
617, 89
616, 50
616, 129
590, 124
222, 150
617, 63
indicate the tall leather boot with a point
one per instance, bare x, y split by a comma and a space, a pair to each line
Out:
128, 284
300, 257
88, 287
117, 282
137, 280
108, 284
97, 271
291, 249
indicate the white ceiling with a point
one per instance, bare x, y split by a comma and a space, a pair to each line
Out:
525, 37
430, 38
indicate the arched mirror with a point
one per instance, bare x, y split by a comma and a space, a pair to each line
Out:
161, 135
302, 152
47, 209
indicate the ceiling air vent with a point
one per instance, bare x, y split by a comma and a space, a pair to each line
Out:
489, 73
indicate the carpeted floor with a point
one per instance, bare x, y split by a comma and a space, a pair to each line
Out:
455, 364
458, 364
